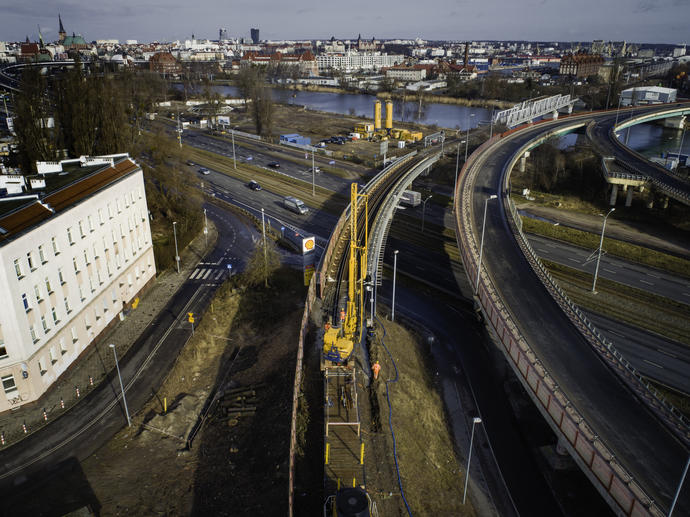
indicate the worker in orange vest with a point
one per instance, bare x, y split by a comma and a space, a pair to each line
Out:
376, 368
342, 315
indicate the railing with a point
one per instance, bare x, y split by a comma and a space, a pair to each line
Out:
583, 444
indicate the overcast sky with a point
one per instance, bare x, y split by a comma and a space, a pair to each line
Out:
642, 21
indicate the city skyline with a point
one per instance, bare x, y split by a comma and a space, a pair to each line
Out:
639, 21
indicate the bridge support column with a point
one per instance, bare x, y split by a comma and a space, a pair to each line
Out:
561, 449
664, 202
554, 115
629, 194
650, 200
614, 194
523, 161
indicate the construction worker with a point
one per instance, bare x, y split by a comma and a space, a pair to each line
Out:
376, 368
327, 326
342, 315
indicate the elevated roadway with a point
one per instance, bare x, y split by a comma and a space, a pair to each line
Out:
632, 447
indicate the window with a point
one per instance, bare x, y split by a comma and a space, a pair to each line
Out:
110, 210
101, 218
105, 244
25, 301
81, 293
100, 278
32, 331
96, 314
70, 238
81, 229
3, 349
30, 259
110, 270
75, 336
63, 346
61, 276
67, 307
8, 383
95, 251
54, 313
56, 248
129, 279
18, 268
139, 193
74, 263
90, 220
105, 305
86, 257
37, 292
87, 321
91, 285
49, 288
44, 324
119, 205
114, 295
42, 254
42, 366
53, 355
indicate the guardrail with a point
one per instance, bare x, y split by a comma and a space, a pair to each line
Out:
595, 459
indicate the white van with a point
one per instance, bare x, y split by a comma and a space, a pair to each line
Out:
295, 205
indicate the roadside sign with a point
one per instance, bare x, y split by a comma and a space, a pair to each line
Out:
383, 148
190, 318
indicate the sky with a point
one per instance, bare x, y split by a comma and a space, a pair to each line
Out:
639, 21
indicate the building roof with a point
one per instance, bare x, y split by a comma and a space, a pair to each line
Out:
35, 211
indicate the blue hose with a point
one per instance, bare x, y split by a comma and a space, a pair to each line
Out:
390, 418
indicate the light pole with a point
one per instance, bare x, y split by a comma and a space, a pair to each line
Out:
424, 210
205, 227
122, 388
313, 172
443, 139
601, 243
491, 127
680, 147
263, 230
395, 270
467, 137
680, 485
457, 168
476, 420
177, 256
234, 159
481, 246
620, 98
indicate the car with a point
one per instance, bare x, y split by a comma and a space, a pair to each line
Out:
254, 185
190, 162
275, 165
204, 171
315, 170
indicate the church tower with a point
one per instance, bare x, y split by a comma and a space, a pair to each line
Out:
62, 32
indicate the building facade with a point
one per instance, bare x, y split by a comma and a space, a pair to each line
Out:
353, 61
406, 73
71, 262
581, 64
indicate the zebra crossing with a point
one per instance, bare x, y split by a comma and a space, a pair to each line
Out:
209, 274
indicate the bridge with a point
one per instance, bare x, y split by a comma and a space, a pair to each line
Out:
529, 110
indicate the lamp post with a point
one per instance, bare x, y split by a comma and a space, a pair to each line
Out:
457, 168
680, 485
680, 147
601, 243
177, 256
122, 388
234, 158
481, 246
424, 210
491, 127
395, 270
263, 230
620, 98
476, 420
467, 137
313, 172
205, 227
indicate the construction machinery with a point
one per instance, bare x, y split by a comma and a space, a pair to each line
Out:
339, 341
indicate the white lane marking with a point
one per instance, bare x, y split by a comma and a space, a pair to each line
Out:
196, 273
653, 364
573, 260
616, 333
686, 294
206, 275
218, 275
645, 282
653, 276
667, 353
609, 271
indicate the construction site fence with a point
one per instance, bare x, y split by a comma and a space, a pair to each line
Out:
583, 444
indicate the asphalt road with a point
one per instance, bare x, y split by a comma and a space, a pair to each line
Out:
86, 427
638, 439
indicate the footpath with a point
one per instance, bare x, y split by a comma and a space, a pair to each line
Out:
97, 360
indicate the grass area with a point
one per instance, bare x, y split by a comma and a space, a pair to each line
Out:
623, 303
680, 401
430, 471
614, 247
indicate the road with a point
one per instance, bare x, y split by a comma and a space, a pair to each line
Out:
644, 445
91, 423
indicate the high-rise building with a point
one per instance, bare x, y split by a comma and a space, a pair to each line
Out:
72, 260
255, 36
222, 34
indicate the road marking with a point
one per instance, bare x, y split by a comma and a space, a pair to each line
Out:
609, 270
667, 353
573, 260
653, 276
196, 273
645, 282
616, 333
653, 364
206, 275
218, 275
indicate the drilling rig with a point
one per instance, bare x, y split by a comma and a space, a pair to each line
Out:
339, 341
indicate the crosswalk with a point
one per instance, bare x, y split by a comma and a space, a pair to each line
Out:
208, 274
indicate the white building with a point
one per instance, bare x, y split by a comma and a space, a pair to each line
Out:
351, 61
71, 262
406, 73
648, 95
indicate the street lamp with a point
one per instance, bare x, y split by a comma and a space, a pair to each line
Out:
457, 168
491, 130
122, 388
481, 246
177, 256
680, 147
263, 230
424, 210
313, 172
395, 270
234, 158
476, 420
205, 227
620, 98
601, 243
467, 138
680, 485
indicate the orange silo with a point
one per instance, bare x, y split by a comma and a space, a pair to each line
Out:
377, 115
389, 115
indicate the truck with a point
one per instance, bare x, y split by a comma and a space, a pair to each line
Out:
410, 198
295, 205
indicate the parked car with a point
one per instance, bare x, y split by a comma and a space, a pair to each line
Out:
254, 185
315, 170
295, 205
204, 171
275, 165
190, 162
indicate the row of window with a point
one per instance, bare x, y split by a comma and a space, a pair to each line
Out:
34, 261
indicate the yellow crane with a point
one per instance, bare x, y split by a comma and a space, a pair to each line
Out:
338, 342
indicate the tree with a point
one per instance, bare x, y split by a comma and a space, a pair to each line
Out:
261, 266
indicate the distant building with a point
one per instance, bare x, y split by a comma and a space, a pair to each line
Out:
72, 260
255, 36
305, 63
406, 73
648, 95
353, 61
580, 64
222, 34
164, 63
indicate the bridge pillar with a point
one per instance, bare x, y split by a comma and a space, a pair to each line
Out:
554, 115
561, 449
523, 161
664, 202
628, 197
650, 200
614, 194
